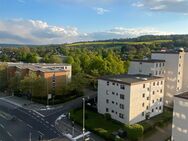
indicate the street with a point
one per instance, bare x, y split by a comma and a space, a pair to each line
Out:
27, 124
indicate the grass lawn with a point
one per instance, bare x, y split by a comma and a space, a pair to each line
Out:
116, 43
96, 123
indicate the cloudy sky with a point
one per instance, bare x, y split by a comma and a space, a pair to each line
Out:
64, 21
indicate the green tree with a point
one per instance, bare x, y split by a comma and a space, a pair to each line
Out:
3, 76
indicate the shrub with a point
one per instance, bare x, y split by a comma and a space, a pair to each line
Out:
134, 132
107, 116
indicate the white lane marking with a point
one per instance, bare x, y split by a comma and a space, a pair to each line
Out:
47, 122
9, 134
29, 125
38, 113
2, 126
52, 125
40, 133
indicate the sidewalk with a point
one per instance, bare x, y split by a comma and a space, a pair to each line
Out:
65, 126
160, 134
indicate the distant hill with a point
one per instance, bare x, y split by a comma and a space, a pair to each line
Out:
176, 40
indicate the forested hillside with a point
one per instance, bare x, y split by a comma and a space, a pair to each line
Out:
94, 58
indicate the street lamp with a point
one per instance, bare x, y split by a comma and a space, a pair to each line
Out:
83, 117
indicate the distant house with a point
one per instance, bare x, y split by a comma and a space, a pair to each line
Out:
57, 75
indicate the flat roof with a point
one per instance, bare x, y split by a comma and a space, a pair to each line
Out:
183, 95
130, 78
148, 61
41, 67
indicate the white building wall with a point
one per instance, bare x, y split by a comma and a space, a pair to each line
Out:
143, 100
112, 94
185, 73
180, 120
147, 68
173, 74
134, 111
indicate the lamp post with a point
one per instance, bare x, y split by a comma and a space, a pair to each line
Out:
83, 118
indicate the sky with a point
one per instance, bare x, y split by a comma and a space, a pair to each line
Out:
66, 21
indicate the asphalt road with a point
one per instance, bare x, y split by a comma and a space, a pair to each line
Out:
26, 123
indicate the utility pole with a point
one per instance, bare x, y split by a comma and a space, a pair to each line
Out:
30, 136
83, 118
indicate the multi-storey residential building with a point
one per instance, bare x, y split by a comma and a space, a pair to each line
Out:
56, 75
147, 67
130, 98
172, 65
180, 118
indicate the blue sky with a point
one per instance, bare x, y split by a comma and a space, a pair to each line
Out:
60, 21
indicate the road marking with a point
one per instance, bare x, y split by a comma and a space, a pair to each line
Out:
52, 125
38, 113
47, 122
40, 133
2, 126
9, 134
29, 126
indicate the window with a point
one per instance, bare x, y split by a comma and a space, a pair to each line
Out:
157, 83
142, 104
180, 57
161, 82
153, 83
117, 84
142, 113
121, 106
156, 108
160, 107
113, 83
121, 115
152, 110
144, 85
163, 64
161, 99
147, 98
156, 64
112, 111
161, 91
122, 96
179, 73
112, 102
153, 92
122, 87
107, 83
117, 94
116, 103
143, 95
179, 65
147, 107
156, 73
153, 101
113, 93
107, 110
140, 63
107, 100
160, 65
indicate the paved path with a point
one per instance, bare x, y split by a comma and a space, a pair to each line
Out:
160, 134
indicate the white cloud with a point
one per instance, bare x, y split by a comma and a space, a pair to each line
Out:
138, 4
178, 6
39, 32
101, 11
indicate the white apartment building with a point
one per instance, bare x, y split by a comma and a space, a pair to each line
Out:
171, 65
130, 98
176, 68
147, 67
180, 118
